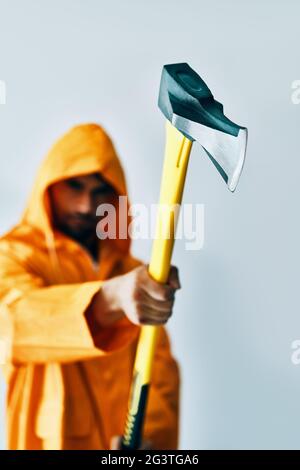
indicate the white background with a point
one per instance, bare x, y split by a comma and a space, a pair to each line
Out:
66, 62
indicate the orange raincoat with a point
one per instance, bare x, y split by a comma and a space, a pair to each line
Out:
67, 382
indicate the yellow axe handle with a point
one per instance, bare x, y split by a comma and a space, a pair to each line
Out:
176, 159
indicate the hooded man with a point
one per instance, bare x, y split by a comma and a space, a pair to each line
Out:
71, 308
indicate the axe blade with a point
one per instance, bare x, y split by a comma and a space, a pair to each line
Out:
187, 102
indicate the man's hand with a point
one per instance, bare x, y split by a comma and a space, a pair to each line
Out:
116, 441
135, 294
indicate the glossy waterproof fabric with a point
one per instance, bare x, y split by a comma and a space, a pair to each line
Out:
68, 382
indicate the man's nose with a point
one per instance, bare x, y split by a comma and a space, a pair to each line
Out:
84, 204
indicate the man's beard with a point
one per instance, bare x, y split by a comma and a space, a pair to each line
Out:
82, 232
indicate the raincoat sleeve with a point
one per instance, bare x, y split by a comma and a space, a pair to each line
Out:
162, 414
48, 323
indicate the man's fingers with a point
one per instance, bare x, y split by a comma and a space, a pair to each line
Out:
115, 443
151, 316
173, 279
152, 302
160, 305
161, 291
146, 445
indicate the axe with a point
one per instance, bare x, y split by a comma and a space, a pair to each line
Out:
192, 114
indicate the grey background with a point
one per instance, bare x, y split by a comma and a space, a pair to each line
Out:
66, 62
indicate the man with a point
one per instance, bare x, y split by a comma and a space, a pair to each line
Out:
72, 307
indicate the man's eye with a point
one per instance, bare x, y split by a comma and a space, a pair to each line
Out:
102, 190
73, 184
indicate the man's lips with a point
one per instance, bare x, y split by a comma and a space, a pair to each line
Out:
82, 221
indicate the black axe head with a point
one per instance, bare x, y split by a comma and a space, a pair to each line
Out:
187, 102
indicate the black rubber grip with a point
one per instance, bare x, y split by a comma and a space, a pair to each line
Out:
133, 441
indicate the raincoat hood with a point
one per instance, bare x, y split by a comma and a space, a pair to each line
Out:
84, 149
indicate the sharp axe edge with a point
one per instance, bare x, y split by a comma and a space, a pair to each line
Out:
187, 102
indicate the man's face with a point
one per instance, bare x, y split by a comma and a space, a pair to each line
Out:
74, 202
